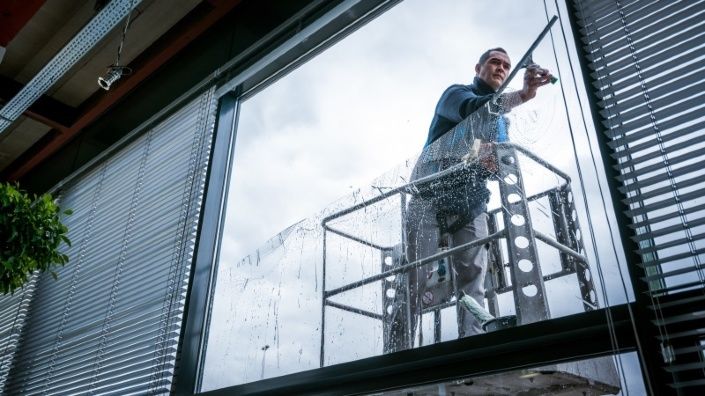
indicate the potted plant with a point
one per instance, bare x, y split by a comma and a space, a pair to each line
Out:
31, 233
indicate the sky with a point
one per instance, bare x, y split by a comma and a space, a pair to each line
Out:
335, 131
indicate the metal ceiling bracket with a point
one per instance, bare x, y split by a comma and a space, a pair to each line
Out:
72, 52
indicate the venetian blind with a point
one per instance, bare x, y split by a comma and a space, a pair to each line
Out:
111, 323
13, 312
647, 68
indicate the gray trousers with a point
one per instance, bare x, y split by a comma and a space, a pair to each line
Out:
470, 267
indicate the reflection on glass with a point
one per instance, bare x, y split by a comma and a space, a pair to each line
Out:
420, 267
618, 375
351, 281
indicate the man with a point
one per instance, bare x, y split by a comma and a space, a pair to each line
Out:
456, 207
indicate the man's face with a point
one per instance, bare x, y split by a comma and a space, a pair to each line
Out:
495, 69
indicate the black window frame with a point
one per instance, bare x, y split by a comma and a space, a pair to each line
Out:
603, 332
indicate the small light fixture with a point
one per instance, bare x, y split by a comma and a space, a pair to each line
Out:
115, 71
111, 75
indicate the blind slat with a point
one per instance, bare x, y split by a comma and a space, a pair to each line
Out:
663, 203
648, 20
650, 116
622, 61
670, 244
673, 160
616, 80
648, 132
668, 230
683, 88
111, 322
668, 216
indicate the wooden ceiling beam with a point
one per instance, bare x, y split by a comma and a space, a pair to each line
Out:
46, 110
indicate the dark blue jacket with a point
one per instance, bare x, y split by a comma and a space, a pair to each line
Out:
465, 194
456, 103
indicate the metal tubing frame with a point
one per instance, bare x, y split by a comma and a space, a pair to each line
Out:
411, 188
356, 239
353, 310
561, 248
415, 264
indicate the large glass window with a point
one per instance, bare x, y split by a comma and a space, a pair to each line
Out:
319, 203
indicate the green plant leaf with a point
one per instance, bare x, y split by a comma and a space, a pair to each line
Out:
36, 236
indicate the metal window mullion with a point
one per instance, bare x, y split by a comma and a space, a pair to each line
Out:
174, 304
193, 340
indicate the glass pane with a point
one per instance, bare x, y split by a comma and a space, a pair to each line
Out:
610, 375
320, 208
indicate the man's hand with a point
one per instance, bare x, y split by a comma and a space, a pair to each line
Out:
484, 154
488, 157
534, 77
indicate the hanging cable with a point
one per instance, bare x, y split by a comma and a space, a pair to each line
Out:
115, 71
